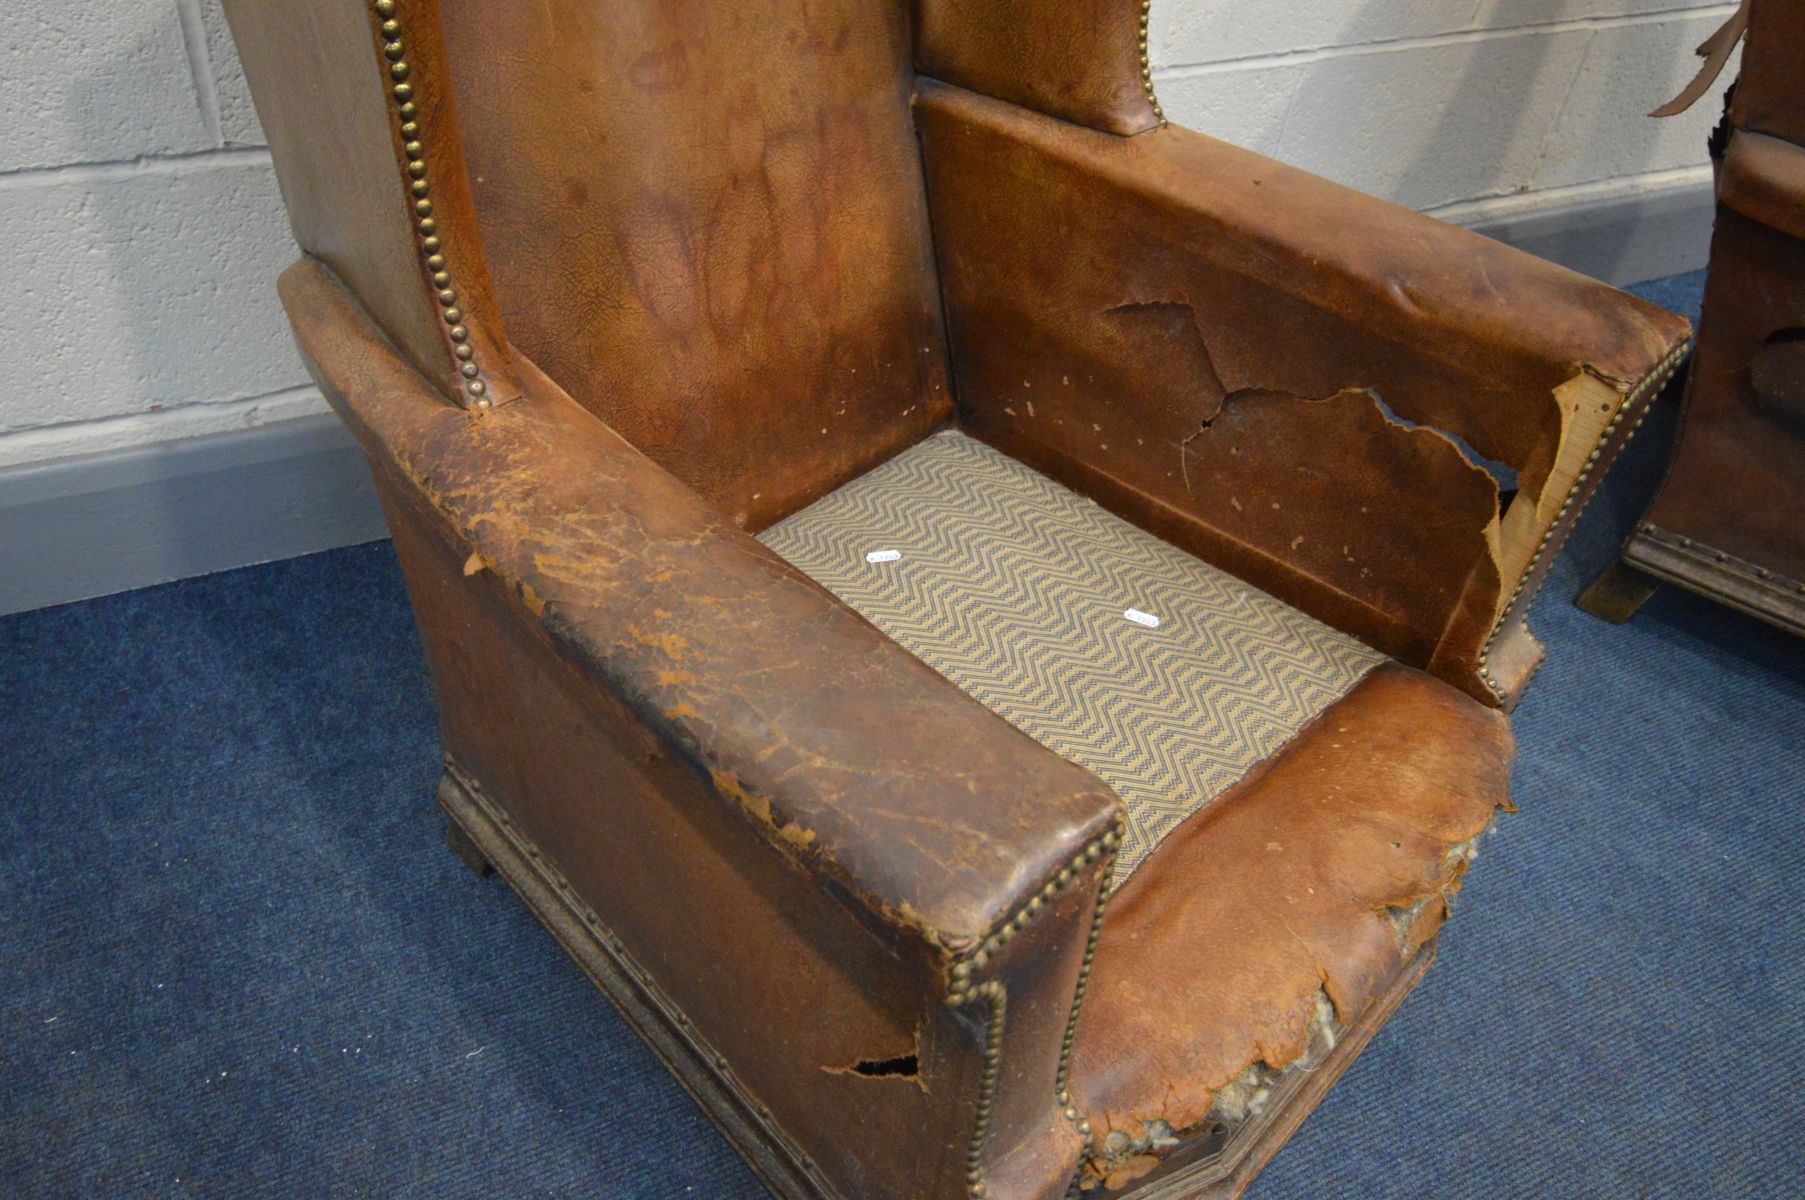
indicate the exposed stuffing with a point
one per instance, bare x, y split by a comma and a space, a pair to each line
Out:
1121, 1158
1454, 866
1246, 1095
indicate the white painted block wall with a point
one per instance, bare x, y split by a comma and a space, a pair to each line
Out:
1465, 108
141, 231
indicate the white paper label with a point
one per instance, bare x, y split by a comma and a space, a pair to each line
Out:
1142, 618
883, 556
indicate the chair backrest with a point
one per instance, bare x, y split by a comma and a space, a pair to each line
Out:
706, 222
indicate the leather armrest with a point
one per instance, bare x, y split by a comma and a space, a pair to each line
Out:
934, 820
1309, 387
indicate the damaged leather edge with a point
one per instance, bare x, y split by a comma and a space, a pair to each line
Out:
1616, 338
1240, 1108
1515, 609
1259, 1091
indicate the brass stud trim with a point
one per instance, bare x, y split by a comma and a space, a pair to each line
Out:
965, 990
1147, 62
1572, 505
1061, 1085
419, 186
961, 987
996, 1000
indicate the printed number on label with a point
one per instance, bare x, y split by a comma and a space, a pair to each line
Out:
883, 556
1142, 618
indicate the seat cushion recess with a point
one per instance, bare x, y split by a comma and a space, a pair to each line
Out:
1019, 592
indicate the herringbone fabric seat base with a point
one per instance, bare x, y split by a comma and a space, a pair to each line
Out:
1166, 677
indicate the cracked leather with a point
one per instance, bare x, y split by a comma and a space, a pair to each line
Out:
1259, 297
709, 224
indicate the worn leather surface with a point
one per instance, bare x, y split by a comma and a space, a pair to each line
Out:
1212, 955
799, 996
803, 994
1198, 348
1078, 60
730, 266
934, 816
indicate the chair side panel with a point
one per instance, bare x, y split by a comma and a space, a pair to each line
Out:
771, 971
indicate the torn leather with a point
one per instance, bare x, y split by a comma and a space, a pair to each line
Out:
1716, 51
1212, 957
1192, 350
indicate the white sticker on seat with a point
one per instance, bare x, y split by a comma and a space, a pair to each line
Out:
883, 556
1142, 618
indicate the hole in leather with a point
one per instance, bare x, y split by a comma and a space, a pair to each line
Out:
903, 1067
906, 1067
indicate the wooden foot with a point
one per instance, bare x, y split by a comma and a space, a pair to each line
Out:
467, 850
1618, 593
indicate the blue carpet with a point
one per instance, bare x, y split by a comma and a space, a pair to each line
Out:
237, 960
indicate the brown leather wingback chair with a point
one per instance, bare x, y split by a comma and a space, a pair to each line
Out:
872, 491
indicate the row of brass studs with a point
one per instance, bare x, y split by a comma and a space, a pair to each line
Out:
1062, 1089
1633, 403
420, 189
1147, 61
992, 993
962, 990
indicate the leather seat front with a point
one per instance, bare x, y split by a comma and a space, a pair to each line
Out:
1275, 917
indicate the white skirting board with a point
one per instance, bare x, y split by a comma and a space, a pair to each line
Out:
1621, 239
76, 528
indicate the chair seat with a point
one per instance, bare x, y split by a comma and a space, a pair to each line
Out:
1299, 808
1040, 604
